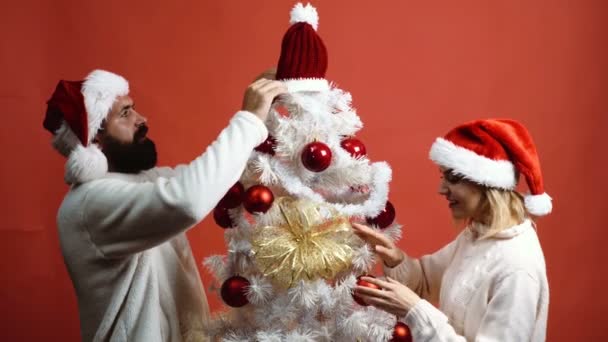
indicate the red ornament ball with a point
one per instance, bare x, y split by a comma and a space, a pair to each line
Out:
364, 283
233, 198
222, 218
267, 146
401, 333
316, 156
258, 199
282, 110
385, 218
234, 291
354, 146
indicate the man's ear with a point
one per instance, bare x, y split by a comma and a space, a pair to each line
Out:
98, 139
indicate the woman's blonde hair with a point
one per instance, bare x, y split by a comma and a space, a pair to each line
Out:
500, 209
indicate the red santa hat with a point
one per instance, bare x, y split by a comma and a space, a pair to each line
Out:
492, 152
74, 115
303, 61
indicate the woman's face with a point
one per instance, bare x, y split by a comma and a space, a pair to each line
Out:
463, 196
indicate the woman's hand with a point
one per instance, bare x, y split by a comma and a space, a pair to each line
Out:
383, 246
394, 297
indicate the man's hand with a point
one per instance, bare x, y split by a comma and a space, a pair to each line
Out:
383, 246
269, 74
260, 94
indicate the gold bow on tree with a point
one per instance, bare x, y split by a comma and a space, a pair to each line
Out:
306, 246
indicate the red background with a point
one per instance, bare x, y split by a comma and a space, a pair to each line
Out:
415, 69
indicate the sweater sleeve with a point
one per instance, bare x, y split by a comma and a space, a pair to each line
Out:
511, 314
424, 275
124, 217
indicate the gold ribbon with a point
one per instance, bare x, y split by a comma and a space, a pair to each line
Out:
307, 246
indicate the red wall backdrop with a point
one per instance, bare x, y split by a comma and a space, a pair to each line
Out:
415, 69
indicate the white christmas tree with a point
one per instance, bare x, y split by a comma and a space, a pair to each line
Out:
292, 258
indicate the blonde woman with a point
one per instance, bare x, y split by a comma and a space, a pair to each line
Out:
490, 282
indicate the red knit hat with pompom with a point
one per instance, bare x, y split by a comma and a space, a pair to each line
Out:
303, 61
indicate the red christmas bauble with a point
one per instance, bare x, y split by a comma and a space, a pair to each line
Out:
258, 199
385, 218
316, 156
401, 333
364, 283
267, 146
222, 218
354, 146
233, 198
282, 111
234, 291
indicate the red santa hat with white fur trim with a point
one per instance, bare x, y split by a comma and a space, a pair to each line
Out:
74, 115
303, 61
492, 152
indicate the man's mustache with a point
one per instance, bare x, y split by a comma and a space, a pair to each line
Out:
141, 133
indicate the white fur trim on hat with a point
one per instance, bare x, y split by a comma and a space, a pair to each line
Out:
306, 84
306, 14
85, 164
538, 205
479, 169
64, 140
100, 90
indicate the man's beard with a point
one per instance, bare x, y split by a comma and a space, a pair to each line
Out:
134, 157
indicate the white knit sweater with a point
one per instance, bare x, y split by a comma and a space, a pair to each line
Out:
488, 290
123, 241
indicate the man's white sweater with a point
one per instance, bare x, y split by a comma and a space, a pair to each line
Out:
124, 244
488, 290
